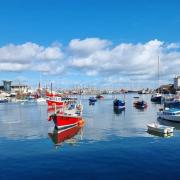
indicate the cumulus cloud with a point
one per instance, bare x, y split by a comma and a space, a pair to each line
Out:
28, 56
173, 46
130, 61
13, 66
95, 57
87, 46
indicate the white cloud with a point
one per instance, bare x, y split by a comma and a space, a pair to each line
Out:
29, 52
173, 46
29, 56
95, 57
92, 73
122, 59
87, 46
50, 53
130, 61
13, 67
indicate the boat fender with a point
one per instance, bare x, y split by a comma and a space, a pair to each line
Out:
78, 107
81, 122
52, 117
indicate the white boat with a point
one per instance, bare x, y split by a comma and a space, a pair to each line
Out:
21, 101
164, 135
170, 114
160, 128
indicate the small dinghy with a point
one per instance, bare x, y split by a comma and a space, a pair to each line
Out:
136, 97
140, 104
160, 128
3, 100
118, 104
92, 99
99, 96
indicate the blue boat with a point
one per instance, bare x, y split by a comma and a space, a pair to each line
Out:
3, 100
156, 98
118, 104
92, 99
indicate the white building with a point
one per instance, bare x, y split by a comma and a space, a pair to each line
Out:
9, 87
177, 82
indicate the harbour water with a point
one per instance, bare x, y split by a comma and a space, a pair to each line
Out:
111, 145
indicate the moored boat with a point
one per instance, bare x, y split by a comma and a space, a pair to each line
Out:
140, 104
67, 117
59, 101
99, 96
41, 100
55, 101
3, 100
160, 128
92, 99
118, 104
156, 97
136, 97
164, 135
170, 114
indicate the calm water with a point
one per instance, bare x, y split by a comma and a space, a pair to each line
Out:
111, 145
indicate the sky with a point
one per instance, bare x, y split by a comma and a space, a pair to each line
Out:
101, 43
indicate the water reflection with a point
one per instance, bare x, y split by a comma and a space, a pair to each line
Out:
118, 111
23, 122
169, 123
91, 103
30, 121
68, 135
159, 134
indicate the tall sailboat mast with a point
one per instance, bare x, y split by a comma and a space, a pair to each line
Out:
157, 96
158, 75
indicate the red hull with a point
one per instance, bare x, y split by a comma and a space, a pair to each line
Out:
53, 103
62, 121
52, 94
60, 136
100, 97
139, 105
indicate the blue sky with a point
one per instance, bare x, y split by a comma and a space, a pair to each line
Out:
115, 27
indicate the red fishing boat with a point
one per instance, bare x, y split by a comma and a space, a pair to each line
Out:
67, 116
55, 101
99, 96
53, 98
140, 104
59, 136
53, 94
59, 101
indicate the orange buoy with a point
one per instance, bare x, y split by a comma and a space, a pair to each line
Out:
81, 122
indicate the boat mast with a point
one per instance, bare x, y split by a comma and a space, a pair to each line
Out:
51, 88
158, 74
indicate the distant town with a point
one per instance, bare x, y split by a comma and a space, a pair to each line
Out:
9, 89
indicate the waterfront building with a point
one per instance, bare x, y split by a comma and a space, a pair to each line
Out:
9, 87
177, 83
